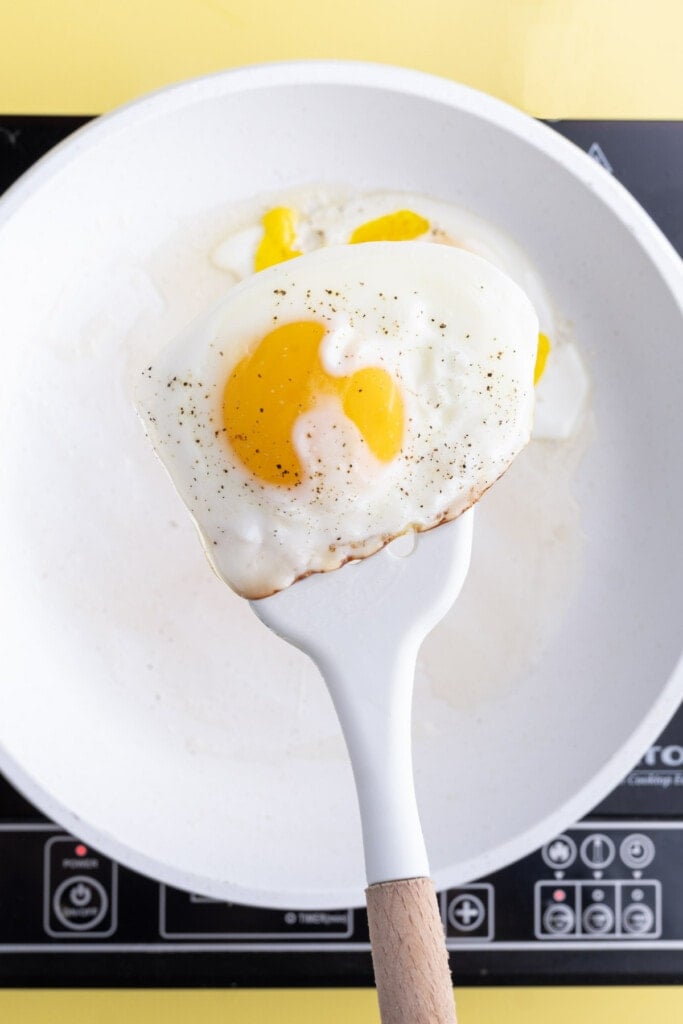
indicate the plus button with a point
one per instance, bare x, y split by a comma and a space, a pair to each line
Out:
466, 912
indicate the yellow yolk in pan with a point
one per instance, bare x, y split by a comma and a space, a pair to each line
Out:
279, 237
542, 353
279, 233
281, 379
402, 226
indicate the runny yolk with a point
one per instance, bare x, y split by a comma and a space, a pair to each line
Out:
541, 356
401, 226
279, 233
279, 236
282, 378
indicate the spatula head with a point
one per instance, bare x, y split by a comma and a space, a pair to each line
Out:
388, 598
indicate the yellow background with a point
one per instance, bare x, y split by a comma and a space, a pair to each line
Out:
339, 1006
553, 58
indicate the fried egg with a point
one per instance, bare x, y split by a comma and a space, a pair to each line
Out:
306, 221
335, 401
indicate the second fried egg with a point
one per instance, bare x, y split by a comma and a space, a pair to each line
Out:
301, 222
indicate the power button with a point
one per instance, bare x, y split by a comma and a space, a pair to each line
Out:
80, 890
80, 903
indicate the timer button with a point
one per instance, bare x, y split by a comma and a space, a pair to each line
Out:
637, 851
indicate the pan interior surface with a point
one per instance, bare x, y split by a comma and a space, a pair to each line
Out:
143, 705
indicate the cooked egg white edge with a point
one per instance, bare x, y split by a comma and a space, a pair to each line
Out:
561, 395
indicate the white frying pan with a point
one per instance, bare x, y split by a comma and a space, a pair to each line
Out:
142, 705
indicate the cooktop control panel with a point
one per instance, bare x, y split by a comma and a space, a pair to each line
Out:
601, 886
599, 883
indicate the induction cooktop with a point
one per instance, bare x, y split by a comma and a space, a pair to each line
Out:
600, 903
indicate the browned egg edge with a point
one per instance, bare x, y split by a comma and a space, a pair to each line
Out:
448, 516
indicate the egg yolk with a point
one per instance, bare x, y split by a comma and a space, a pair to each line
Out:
541, 356
402, 226
282, 378
279, 237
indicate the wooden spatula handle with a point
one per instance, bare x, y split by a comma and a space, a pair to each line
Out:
409, 953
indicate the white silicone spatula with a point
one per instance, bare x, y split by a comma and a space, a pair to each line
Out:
363, 625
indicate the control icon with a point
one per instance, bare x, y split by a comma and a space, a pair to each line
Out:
80, 903
559, 853
638, 919
466, 912
597, 851
558, 919
637, 851
469, 912
598, 919
80, 894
